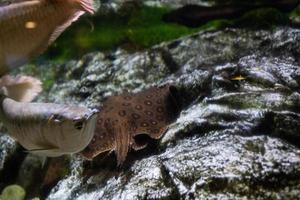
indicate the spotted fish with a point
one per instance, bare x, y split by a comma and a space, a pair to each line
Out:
28, 27
43, 128
124, 117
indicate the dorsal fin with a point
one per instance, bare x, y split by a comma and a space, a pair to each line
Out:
86, 5
20, 88
58, 31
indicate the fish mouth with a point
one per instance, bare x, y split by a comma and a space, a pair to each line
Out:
94, 112
87, 117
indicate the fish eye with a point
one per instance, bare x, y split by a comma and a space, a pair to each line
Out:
78, 125
56, 118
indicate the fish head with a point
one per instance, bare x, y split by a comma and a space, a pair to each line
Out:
75, 128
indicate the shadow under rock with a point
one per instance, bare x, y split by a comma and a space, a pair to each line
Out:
285, 125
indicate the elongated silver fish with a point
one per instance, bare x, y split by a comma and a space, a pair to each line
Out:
48, 129
28, 27
44, 128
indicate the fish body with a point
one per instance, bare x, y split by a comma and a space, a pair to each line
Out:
28, 27
123, 118
48, 129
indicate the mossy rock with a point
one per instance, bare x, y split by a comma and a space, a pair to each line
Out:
264, 18
13, 192
141, 28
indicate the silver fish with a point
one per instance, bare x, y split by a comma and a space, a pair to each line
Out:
48, 129
28, 27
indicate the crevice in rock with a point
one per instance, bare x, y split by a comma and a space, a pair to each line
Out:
285, 125
169, 182
169, 60
11, 168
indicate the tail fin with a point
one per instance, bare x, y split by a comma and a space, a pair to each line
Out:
20, 88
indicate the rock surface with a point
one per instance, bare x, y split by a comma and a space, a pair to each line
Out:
237, 136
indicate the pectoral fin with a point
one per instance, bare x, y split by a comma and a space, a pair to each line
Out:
46, 150
122, 142
42, 151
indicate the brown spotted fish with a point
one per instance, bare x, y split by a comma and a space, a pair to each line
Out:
124, 117
28, 27
43, 128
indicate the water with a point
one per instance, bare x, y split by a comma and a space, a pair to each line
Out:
234, 138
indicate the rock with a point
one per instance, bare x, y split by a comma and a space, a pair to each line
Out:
65, 187
57, 168
258, 167
11, 157
8, 148
234, 138
30, 174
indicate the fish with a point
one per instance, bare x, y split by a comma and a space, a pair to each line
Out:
46, 129
124, 118
28, 27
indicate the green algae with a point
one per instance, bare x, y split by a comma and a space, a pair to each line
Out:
295, 12
13, 192
295, 15
135, 30
142, 28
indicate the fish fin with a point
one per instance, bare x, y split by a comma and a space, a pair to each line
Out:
20, 88
43, 152
58, 31
122, 142
43, 160
86, 5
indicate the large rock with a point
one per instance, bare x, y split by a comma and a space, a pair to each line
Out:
11, 157
237, 136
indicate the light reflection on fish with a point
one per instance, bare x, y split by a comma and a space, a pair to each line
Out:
27, 27
44, 128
